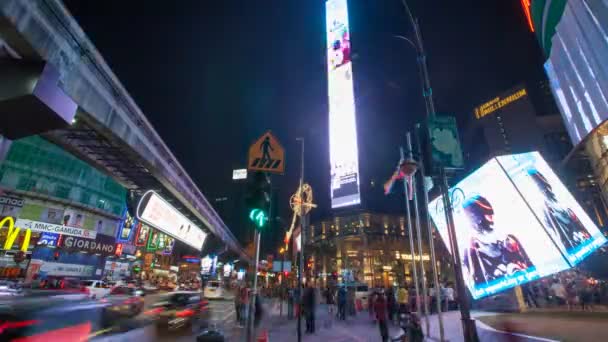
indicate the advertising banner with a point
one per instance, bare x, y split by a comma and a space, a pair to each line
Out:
48, 239
227, 270
276, 266
128, 226
155, 211
143, 233
73, 218
343, 150
52, 215
103, 244
10, 205
445, 144
502, 242
37, 226
570, 228
67, 270
208, 265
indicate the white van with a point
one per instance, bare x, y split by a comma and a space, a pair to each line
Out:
97, 288
213, 289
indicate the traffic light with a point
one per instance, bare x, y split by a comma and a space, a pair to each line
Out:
258, 200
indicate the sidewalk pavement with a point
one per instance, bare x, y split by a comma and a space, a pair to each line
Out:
361, 329
453, 329
357, 328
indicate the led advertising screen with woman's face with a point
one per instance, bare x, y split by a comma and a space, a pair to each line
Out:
566, 223
501, 243
343, 151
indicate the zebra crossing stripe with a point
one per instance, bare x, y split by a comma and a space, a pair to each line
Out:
266, 164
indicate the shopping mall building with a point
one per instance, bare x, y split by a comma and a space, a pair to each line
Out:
368, 248
77, 160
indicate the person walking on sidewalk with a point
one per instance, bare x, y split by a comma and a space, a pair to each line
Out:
403, 299
290, 301
342, 303
331, 303
380, 308
244, 304
237, 306
309, 308
391, 303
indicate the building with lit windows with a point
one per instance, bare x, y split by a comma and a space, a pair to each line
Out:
573, 36
365, 247
524, 119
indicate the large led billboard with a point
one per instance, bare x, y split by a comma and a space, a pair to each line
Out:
572, 230
343, 152
515, 222
158, 213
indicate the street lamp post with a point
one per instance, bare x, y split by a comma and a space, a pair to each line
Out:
301, 263
469, 329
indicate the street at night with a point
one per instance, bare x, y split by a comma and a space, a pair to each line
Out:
328, 170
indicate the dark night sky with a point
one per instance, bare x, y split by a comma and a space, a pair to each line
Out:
213, 75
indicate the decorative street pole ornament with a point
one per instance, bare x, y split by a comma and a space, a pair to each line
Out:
301, 201
408, 168
301, 204
405, 171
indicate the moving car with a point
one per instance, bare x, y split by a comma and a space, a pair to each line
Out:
66, 319
10, 288
125, 301
180, 311
96, 288
213, 290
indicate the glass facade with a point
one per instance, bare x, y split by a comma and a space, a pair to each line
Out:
576, 65
364, 248
36, 165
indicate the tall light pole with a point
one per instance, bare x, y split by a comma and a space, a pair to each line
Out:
302, 240
468, 325
427, 91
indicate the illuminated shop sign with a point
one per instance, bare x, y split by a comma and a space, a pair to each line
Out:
48, 239
12, 234
38, 226
128, 226
155, 211
208, 265
104, 245
515, 222
498, 102
191, 259
227, 270
143, 234
343, 151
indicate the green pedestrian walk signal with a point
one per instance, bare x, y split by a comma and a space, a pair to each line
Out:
258, 217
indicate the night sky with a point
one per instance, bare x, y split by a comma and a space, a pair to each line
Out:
214, 75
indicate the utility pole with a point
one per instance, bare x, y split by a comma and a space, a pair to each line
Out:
427, 91
469, 328
468, 324
302, 240
406, 193
430, 234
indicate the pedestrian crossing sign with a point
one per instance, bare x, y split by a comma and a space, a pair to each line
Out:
266, 155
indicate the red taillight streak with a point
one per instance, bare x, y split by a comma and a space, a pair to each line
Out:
184, 313
131, 300
154, 311
16, 325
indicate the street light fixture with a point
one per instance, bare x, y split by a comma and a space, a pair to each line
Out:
468, 325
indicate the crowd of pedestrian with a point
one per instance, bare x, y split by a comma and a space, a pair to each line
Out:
572, 289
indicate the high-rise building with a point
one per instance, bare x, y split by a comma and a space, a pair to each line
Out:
526, 119
574, 38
